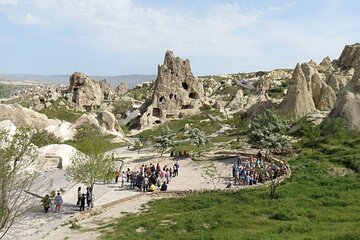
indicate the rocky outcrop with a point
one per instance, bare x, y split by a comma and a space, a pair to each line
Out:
21, 116
298, 100
122, 89
350, 56
241, 102
347, 104
307, 92
177, 93
86, 92
37, 102
325, 65
109, 122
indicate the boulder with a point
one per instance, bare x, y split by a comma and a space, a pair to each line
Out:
177, 93
8, 126
21, 116
347, 104
56, 155
107, 120
37, 102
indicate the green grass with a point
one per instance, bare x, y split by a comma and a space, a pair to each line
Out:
312, 204
200, 121
140, 93
61, 112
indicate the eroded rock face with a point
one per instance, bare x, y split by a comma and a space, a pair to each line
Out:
108, 121
122, 89
307, 92
177, 93
347, 104
350, 56
86, 92
298, 100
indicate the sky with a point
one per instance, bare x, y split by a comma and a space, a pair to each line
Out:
113, 37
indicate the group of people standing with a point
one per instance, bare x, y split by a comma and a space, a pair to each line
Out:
250, 170
150, 177
84, 197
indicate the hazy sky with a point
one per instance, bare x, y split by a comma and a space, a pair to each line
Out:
111, 37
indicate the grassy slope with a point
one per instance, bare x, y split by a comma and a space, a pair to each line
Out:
311, 205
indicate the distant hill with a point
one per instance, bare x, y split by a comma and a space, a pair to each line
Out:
131, 79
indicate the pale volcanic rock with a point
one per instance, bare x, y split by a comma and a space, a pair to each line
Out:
54, 155
107, 120
350, 56
347, 104
86, 92
298, 100
325, 65
122, 89
177, 93
21, 116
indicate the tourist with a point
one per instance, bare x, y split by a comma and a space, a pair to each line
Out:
163, 187
117, 175
82, 202
128, 175
58, 202
46, 203
123, 178
89, 197
79, 196
145, 184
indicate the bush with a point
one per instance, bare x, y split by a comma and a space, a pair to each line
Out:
43, 138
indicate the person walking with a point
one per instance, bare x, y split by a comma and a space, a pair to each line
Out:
46, 203
58, 202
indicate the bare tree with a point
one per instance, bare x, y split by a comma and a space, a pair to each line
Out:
17, 175
213, 175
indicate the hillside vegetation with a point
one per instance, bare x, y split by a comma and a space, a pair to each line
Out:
321, 200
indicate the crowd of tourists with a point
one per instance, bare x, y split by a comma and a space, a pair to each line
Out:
150, 177
251, 170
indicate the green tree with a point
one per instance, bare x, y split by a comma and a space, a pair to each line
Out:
310, 135
268, 132
17, 175
238, 126
165, 140
91, 164
332, 126
42, 138
198, 138
121, 107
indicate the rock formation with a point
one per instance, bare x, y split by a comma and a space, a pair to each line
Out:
37, 102
177, 93
307, 92
108, 121
350, 56
347, 104
86, 92
121, 89
21, 116
298, 100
